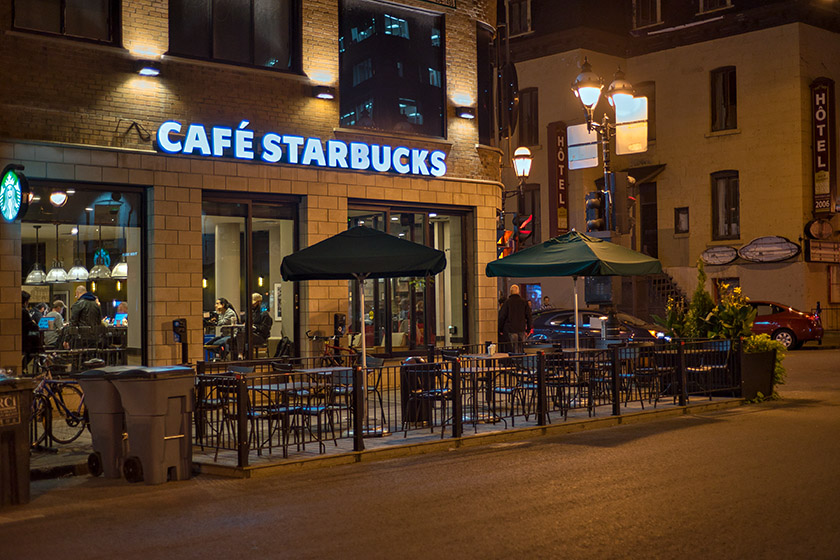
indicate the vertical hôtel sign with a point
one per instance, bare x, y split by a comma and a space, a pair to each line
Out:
558, 178
825, 190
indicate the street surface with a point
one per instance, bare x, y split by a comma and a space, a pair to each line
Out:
759, 481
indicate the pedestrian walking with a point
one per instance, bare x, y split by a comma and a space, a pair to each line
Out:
515, 320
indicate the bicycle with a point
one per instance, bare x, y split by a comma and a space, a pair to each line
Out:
334, 355
58, 407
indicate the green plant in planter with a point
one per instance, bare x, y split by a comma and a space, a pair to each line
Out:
673, 323
732, 317
699, 308
763, 343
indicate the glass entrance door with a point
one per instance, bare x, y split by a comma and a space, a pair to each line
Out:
243, 245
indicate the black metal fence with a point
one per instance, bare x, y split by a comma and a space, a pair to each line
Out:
291, 406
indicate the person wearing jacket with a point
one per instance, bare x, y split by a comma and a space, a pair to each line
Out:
85, 312
515, 321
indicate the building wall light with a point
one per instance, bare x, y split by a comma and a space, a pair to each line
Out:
465, 112
323, 92
147, 67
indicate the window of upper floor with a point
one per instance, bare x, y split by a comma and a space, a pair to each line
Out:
485, 56
645, 13
387, 82
726, 205
724, 99
712, 5
529, 117
519, 17
648, 90
89, 20
261, 33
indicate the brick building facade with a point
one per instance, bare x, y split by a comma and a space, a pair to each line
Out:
77, 116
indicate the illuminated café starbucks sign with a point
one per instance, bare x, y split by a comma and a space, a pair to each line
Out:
241, 143
14, 192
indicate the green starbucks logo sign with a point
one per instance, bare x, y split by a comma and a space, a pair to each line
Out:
14, 193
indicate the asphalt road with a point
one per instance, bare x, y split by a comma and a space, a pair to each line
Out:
759, 481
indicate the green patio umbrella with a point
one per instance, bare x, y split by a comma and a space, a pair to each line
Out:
360, 253
574, 254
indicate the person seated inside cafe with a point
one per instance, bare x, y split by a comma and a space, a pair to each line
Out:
54, 324
225, 317
261, 321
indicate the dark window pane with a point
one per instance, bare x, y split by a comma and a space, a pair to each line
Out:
273, 33
404, 81
232, 30
40, 15
189, 27
724, 99
87, 18
484, 59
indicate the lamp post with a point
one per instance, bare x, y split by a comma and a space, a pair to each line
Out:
587, 87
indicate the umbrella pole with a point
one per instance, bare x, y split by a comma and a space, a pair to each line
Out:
577, 331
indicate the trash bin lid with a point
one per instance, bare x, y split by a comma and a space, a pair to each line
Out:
104, 372
155, 372
14, 383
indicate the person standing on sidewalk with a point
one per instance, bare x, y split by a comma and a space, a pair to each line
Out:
515, 320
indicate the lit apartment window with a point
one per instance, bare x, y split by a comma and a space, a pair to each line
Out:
529, 131
94, 20
726, 220
711, 5
434, 77
724, 99
396, 26
520, 17
362, 71
262, 33
645, 12
361, 32
648, 89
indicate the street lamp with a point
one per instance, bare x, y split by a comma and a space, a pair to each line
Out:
587, 87
522, 164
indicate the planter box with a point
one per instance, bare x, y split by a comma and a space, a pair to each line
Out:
757, 374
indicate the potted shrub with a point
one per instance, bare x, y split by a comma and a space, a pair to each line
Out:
761, 367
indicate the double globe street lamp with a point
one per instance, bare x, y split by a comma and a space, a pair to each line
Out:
588, 87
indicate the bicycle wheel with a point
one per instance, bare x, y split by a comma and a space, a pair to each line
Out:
68, 412
40, 420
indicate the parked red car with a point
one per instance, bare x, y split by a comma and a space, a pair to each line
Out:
785, 324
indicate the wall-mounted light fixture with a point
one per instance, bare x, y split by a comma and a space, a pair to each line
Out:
147, 67
58, 198
323, 92
465, 112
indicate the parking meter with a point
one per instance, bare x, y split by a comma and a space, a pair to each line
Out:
179, 329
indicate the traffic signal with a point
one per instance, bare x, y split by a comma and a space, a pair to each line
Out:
523, 228
596, 211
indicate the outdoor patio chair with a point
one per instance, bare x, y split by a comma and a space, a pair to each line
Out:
426, 389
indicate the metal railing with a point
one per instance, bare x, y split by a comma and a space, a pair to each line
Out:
295, 406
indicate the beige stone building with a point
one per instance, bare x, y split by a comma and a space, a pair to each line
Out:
202, 177
731, 145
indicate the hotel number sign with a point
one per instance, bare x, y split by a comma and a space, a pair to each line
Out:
822, 104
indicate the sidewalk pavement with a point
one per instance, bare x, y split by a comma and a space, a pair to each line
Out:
71, 459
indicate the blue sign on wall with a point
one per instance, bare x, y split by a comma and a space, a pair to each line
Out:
241, 143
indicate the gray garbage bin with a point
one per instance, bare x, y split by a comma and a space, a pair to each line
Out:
107, 420
158, 404
15, 410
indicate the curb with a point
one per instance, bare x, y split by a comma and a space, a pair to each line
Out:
450, 444
420, 448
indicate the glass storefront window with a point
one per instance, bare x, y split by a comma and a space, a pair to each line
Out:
407, 314
243, 245
83, 243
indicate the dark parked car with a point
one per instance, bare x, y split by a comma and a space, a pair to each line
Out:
558, 325
785, 324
